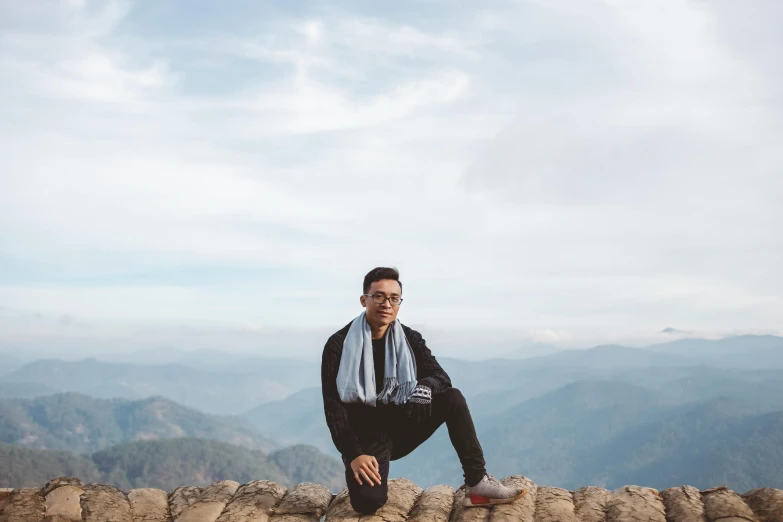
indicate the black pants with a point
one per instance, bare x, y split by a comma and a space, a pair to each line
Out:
406, 433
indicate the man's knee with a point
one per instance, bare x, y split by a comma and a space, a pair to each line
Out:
369, 500
454, 397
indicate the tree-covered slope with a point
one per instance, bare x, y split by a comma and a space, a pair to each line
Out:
83, 424
23, 467
167, 464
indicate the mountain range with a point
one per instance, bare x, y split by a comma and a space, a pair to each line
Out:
611, 434
703, 412
151, 442
562, 419
226, 392
167, 464
82, 424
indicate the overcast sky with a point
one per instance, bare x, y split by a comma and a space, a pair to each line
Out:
560, 171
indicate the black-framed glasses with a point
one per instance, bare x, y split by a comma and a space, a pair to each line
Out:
380, 299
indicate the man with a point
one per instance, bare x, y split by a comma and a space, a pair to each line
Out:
385, 394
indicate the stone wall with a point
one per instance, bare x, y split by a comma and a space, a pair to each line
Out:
68, 500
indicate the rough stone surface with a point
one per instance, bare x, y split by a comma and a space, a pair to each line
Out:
402, 496
434, 505
66, 499
63, 502
22, 505
59, 482
340, 509
183, 497
462, 514
683, 504
590, 504
724, 504
766, 503
201, 504
294, 517
521, 510
253, 502
4, 492
102, 503
635, 504
554, 505
149, 505
305, 499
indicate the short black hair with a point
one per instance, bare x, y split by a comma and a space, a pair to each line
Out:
378, 273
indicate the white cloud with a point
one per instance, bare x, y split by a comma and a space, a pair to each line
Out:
524, 169
307, 106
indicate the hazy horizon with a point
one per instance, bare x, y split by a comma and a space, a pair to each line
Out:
222, 176
303, 344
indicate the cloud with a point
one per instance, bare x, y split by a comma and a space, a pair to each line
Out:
525, 170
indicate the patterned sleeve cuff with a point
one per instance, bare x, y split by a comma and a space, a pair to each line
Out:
421, 395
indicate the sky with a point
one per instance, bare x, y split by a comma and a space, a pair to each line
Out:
569, 172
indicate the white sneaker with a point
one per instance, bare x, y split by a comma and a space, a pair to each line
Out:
489, 492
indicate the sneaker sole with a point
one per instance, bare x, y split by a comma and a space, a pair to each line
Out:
479, 500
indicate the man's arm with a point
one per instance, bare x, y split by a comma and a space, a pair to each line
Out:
344, 438
429, 371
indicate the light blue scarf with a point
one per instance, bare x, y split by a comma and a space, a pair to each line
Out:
356, 376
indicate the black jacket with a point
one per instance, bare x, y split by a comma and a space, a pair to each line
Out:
349, 424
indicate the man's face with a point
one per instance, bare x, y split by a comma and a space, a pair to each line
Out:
382, 314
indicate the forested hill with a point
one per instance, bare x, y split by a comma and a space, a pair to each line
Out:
82, 424
167, 464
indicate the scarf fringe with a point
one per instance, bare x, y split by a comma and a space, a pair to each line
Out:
397, 393
356, 379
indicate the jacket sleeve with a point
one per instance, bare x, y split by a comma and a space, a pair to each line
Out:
429, 372
344, 438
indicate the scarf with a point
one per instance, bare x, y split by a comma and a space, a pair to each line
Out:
356, 376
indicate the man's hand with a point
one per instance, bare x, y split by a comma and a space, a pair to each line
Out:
419, 405
416, 413
366, 467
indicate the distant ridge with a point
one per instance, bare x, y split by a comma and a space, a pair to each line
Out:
674, 331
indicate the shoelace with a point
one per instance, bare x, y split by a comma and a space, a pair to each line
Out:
493, 480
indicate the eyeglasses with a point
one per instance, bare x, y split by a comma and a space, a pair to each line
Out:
380, 299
